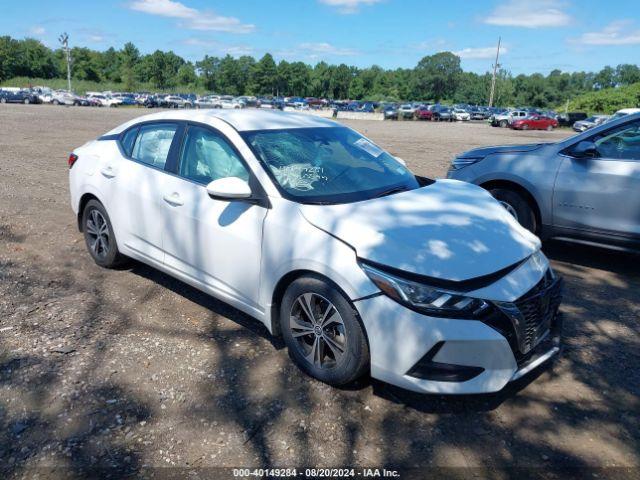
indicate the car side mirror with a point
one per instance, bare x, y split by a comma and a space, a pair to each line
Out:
229, 188
585, 149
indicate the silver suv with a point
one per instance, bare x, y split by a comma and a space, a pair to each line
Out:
585, 188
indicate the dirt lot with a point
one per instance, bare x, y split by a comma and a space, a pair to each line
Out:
133, 370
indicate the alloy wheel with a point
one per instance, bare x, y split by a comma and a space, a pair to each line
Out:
509, 208
98, 232
318, 330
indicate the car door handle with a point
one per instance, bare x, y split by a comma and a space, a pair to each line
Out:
173, 199
108, 172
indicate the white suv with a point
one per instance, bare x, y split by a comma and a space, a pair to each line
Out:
328, 240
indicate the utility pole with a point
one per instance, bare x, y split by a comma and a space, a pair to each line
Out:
495, 70
64, 41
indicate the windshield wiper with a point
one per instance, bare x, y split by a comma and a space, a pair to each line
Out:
391, 191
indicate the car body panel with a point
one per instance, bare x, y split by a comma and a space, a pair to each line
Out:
445, 230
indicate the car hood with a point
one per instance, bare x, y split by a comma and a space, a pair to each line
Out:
449, 230
485, 151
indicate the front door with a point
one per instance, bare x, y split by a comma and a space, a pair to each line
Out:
215, 243
601, 194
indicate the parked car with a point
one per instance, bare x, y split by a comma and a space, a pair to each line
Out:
590, 122
207, 102
624, 112
506, 119
461, 115
176, 101
329, 241
105, 101
407, 110
390, 112
18, 96
151, 101
568, 119
424, 113
584, 188
534, 122
442, 114
478, 113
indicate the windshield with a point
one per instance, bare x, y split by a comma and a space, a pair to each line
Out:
328, 165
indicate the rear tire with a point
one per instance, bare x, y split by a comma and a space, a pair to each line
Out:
99, 237
336, 351
518, 206
503, 124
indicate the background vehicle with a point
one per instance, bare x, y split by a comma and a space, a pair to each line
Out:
175, 101
505, 119
534, 122
407, 110
568, 119
271, 232
105, 101
590, 122
461, 115
390, 112
20, 96
441, 114
584, 188
624, 112
424, 113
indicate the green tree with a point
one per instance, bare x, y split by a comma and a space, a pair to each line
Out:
437, 76
128, 58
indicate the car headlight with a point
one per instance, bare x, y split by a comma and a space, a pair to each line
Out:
426, 299
459, 163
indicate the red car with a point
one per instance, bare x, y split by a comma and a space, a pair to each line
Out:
535, 122
423, 113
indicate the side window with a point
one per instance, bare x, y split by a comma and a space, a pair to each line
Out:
206, 156
153, 143
128, 140
622, 143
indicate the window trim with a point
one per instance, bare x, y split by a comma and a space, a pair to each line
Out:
178, 135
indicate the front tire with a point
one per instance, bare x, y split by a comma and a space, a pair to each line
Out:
322, 332
99, 237
518, 206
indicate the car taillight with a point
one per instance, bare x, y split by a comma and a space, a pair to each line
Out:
72, 159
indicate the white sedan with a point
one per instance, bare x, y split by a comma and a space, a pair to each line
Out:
360, 265
461, 115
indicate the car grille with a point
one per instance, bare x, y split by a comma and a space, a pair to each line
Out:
528, 320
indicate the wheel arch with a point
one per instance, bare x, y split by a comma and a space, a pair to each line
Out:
286, 280
518, 188
84, 199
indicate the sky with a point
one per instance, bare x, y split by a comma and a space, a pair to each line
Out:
537, 35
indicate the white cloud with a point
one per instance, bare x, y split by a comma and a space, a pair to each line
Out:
479, 53
37, 30
220, 48
191, 18
616, 33
349, 6
542, 13
326, 49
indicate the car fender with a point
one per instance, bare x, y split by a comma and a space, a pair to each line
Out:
542, 196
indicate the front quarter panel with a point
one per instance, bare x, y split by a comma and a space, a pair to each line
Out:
291, 243
535, 172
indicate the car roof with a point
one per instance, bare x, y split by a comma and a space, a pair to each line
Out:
240, 119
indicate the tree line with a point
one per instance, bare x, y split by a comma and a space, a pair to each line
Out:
437, 77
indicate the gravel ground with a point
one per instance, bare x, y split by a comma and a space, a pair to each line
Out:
130, 370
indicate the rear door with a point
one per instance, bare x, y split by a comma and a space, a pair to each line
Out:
602, 194
138, 182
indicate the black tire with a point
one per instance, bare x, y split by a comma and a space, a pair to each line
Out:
353, 362
110, 256
503, 124
27, 101
521, 207
56, 102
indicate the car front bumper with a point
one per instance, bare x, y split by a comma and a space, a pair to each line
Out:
444, 356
